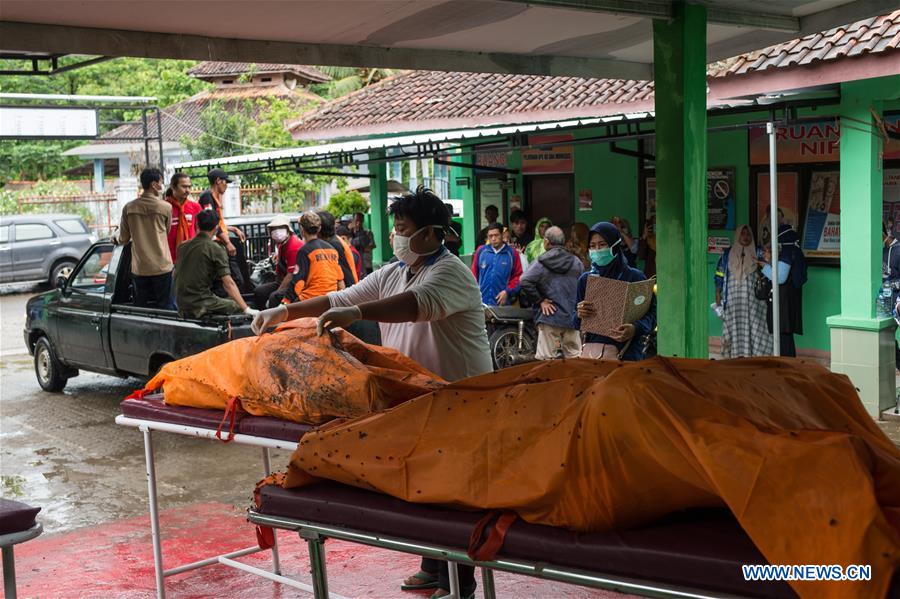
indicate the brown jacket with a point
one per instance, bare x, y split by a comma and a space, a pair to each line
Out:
145, 222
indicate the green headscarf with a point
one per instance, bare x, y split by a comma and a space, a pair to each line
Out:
536, 247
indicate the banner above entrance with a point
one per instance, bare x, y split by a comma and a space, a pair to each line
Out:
812, 141
551, 156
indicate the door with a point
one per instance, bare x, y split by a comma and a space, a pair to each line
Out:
553, 197
31, 243
83, 321
6, 273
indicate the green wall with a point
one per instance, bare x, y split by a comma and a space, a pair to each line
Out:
613, 181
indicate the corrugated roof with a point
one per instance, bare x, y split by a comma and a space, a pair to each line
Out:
431, 99
212, 69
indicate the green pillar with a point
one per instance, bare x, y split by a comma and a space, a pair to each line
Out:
378, 199
862, 344
462, 187
679, 71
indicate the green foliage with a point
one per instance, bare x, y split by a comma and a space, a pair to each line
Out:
35, 160
255, 126
347, 202
59, 188
31, 161
167, 80
345, 80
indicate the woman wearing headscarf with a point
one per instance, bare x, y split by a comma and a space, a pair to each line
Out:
536, 247
744, 332
578, 243
608, 260
791, 278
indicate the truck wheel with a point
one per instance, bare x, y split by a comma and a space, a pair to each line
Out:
61, 268
504, 343
50, 373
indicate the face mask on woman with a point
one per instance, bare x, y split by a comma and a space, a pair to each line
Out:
603, 257
279, 235
401, 247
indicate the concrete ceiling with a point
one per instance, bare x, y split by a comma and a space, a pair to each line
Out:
597, 38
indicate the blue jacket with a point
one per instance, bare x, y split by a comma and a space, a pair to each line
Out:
496, 271
554, 276
622, 272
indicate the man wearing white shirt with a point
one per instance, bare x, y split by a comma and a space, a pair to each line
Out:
428, 306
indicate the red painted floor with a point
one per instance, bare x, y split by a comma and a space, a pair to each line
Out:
116, 560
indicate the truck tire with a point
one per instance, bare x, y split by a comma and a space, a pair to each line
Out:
63, 267
51, 375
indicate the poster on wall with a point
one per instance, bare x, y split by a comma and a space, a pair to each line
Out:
585, 200
490, 193
551, 155
650, 200
515, 203
720, 202
717, 245
891, 201
822, 232
788, 204
811, 141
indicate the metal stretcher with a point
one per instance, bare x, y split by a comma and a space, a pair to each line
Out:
696, 553
150, 414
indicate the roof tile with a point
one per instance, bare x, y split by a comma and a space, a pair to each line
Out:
488, 95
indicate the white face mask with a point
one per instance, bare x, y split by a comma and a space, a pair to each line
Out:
279, 235
401, 247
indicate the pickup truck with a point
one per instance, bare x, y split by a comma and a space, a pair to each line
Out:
89, 323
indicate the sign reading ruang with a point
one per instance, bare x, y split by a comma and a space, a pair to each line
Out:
550, 155
27, 122
811, 141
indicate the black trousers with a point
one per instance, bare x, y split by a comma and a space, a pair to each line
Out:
788, 349
153, 292
267, 295
466, 575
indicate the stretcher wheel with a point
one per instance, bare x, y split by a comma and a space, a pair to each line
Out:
50, 373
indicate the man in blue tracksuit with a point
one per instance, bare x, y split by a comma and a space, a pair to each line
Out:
497, 269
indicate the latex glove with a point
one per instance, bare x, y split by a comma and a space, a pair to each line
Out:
269, 318
337, 317
250, 311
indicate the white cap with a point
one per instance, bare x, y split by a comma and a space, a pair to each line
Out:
279, 221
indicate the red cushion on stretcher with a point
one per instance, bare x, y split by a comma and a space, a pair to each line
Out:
700, 549
151, 407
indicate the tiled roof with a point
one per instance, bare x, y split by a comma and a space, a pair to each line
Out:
210, 69
435, 95
183, 118
432, 99
870, 36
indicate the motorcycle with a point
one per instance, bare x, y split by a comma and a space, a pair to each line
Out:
262, 272
512, 334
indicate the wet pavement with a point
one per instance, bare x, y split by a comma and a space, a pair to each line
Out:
63, 451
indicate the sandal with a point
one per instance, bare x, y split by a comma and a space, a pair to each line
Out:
423, 579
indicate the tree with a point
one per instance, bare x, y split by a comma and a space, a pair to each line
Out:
167, 80
345, 80
347, 202
255, 126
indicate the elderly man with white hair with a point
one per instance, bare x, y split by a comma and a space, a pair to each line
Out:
550, 284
